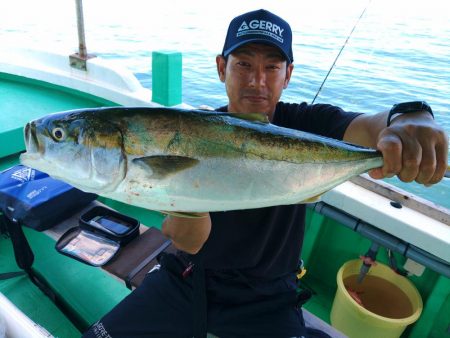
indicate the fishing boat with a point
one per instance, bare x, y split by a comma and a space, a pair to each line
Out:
409, 234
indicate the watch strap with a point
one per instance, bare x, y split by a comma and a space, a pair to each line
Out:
407, 108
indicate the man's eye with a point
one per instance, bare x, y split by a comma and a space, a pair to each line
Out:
273, 67
243, 64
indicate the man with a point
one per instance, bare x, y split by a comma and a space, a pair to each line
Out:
235, 273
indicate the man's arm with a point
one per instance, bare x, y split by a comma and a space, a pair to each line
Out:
188, 234
414, 147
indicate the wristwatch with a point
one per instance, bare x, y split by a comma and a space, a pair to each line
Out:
407, 108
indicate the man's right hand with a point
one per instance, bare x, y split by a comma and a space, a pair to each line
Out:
188, 234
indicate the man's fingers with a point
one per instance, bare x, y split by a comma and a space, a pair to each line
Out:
434, 161
413, 152
441, 164
391, 148
376, 173
427, 167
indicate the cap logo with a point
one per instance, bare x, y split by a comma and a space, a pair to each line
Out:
262, 27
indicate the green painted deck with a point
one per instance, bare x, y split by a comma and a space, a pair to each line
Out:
22, 100
29, 299
328, 245
36, 99
90, 292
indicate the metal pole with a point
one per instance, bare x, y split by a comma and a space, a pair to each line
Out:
80, 24
79, 60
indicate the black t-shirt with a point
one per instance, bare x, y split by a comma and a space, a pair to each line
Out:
266, 242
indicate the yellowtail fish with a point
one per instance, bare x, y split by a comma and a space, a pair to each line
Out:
190, 160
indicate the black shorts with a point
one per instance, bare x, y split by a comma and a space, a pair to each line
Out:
162, 306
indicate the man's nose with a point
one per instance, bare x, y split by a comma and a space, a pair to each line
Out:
258, 77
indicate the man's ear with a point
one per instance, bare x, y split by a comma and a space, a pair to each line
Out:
221, 65
289, 69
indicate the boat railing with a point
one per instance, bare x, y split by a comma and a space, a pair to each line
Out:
79, 60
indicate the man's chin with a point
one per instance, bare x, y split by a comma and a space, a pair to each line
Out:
257, 107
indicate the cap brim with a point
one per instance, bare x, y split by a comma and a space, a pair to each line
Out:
263, 41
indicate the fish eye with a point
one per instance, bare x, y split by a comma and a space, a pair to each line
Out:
58, 134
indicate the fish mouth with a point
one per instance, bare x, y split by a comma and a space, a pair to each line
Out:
34, 149
31, 139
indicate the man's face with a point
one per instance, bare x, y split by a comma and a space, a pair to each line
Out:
255, 76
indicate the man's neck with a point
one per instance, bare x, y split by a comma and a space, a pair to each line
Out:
269, 115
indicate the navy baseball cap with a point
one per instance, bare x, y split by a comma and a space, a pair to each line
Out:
259, 26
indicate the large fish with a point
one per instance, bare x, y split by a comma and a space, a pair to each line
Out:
189, 160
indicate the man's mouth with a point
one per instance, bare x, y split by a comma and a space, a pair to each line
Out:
255, 98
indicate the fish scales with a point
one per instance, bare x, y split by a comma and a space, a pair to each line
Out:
178, 133
190, 160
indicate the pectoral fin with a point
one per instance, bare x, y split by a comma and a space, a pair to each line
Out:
162, 166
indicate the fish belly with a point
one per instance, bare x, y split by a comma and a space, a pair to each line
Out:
220, 185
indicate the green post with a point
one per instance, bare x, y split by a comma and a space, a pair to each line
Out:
166, 78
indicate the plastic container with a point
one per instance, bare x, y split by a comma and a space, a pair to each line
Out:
389, 302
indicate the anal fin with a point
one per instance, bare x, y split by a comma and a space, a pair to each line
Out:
312, 199
182, 214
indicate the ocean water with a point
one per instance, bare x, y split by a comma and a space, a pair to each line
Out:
399, 50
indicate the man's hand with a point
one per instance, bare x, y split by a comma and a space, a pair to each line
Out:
414, 148
187, 234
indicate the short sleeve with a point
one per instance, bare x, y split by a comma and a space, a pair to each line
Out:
322, 119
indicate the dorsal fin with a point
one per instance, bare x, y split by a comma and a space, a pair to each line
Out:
252, 117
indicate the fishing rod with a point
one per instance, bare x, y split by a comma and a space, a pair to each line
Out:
339, 54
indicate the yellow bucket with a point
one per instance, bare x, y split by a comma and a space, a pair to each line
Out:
383, 305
